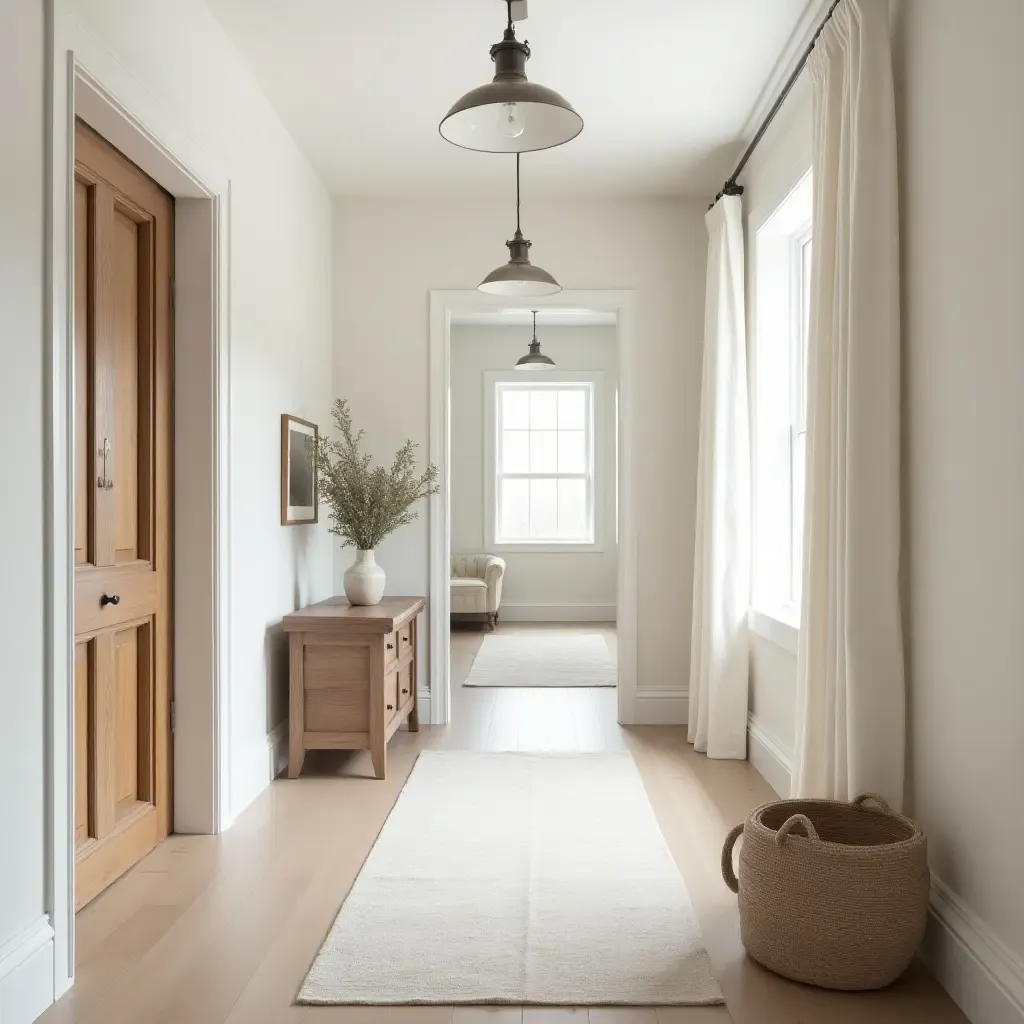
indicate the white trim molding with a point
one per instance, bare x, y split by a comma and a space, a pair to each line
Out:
622, 304
656, 705
982, 974
774, 628
509, 612
26, 973
772, 760
423, 703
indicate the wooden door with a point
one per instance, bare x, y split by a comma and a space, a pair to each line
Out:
124, 232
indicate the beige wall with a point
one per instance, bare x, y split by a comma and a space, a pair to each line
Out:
389, 255
960, 96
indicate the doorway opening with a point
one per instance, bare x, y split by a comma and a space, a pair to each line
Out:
532, 607
534, 498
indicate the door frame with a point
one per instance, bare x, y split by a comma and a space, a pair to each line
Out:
84, 80
620, 302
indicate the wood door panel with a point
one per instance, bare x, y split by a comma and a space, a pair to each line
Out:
83, 362
124, 226
126, 715
126, 469
82, 745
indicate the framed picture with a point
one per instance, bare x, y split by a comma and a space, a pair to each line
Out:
298, 473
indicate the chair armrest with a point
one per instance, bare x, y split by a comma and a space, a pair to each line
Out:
492, 569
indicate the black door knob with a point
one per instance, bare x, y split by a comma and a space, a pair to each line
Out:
106, 599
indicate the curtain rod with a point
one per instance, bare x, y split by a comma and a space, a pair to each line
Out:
730, 188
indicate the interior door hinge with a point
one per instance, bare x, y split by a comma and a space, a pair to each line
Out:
173, 717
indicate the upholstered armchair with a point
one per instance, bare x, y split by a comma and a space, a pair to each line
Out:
476, 588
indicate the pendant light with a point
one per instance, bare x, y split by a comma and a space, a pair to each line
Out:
519, 277
510, 114
534, 360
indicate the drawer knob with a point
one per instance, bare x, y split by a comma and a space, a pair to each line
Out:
405, 691
391, 647
106, 599
391, 707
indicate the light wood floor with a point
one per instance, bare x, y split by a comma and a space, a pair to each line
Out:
214, 929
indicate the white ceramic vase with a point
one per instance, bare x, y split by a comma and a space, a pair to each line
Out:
364, 580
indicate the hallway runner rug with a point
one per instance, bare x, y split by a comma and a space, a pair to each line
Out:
520, 879
542, 659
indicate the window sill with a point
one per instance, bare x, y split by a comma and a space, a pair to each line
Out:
538, 548
776, 627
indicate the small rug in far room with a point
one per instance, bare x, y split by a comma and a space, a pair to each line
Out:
542, 659
522, 879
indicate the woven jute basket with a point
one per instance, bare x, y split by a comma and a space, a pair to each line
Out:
832, 894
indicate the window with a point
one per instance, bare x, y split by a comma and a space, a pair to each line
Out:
782, 279
542, 466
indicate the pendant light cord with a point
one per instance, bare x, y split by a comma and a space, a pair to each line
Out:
509, 2
518, 229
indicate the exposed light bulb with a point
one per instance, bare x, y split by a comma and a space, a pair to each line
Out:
511, 120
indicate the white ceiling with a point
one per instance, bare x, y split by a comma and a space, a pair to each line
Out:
664, 88
552, 317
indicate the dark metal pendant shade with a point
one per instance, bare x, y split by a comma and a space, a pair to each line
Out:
534, 359
519, 278
511, 114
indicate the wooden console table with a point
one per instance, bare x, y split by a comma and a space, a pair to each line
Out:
352, 677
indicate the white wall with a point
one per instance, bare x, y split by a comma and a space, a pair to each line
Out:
575, 580
280, 311
960, 90
778, 163
389, 255
22, 897
281, 354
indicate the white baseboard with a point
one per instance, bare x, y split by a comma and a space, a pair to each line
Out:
26, 973
277, 748
660, 707
773, 762
423, 702
557, 612
982, 974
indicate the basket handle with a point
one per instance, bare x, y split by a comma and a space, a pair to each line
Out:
883, 806
727, 871
792, 822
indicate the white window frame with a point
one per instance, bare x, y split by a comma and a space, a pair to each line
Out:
780, 234
594, 380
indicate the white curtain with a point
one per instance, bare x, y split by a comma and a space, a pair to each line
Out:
719, 647
850, 723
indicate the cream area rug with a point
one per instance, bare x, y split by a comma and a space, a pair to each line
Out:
517, 878
542, 659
